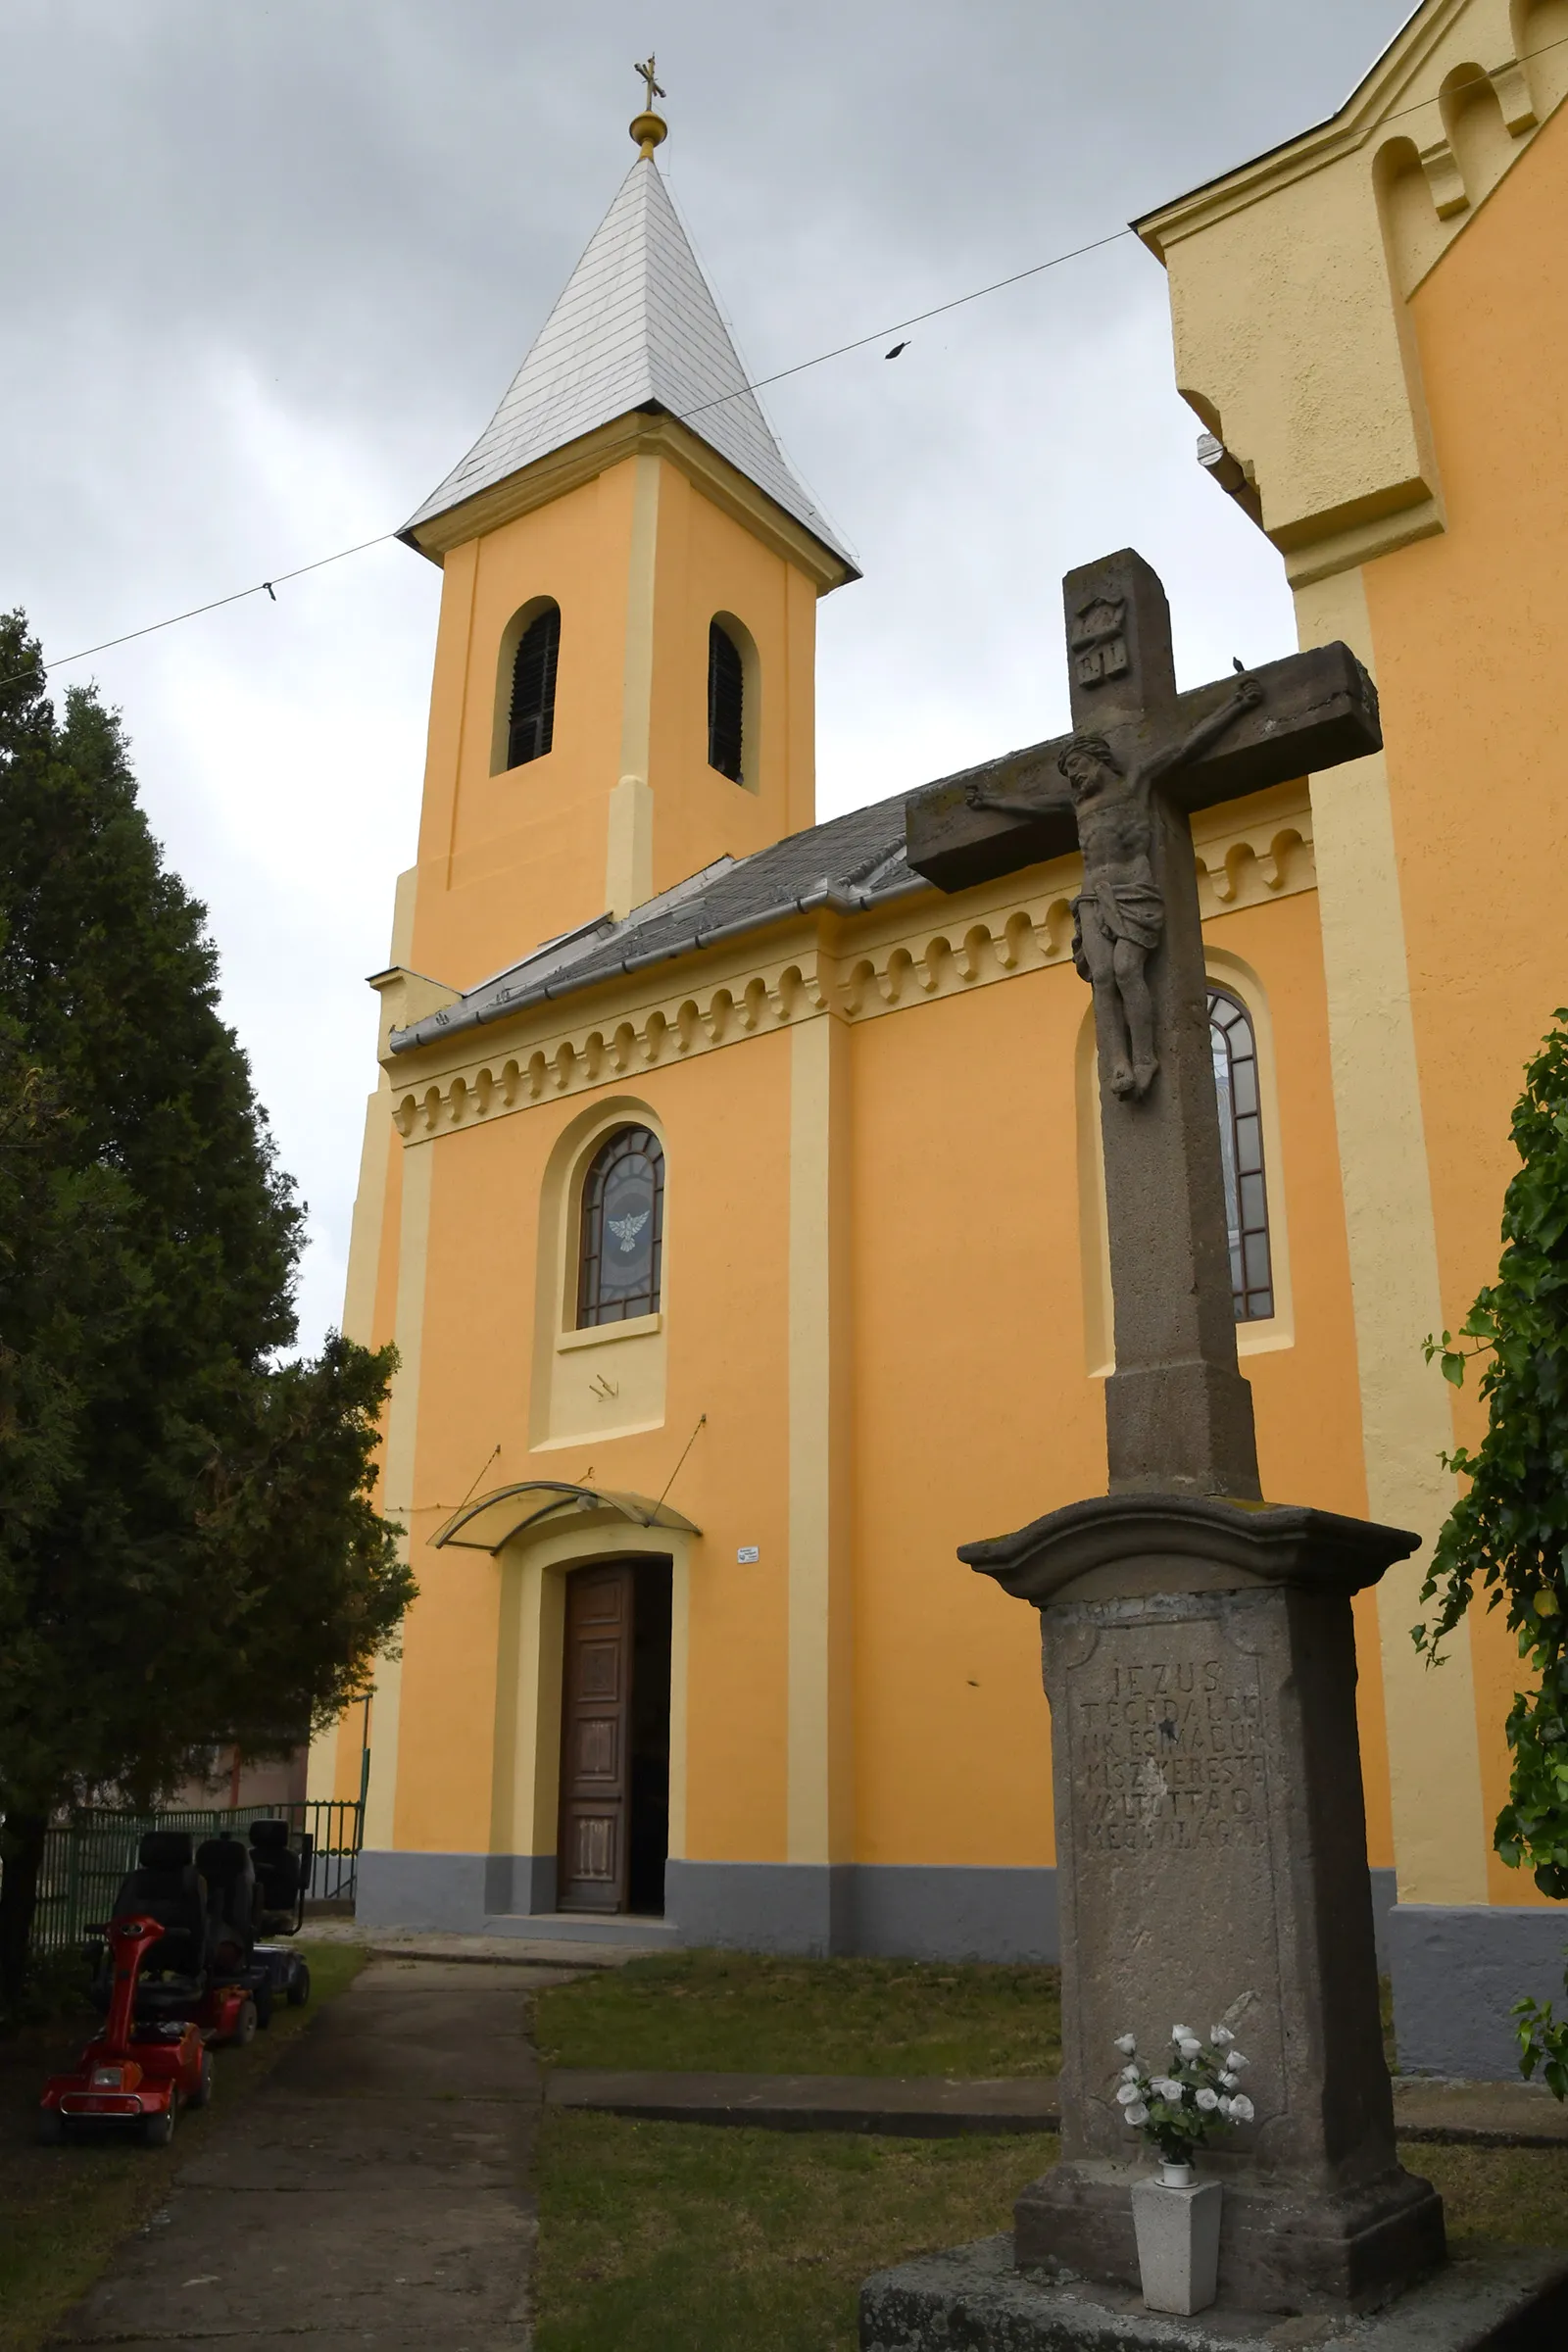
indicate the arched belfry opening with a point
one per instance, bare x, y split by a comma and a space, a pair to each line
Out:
727, 703
531, 709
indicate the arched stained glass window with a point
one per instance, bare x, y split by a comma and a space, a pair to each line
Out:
531, 724
622, 1229
1240, 1145
727, 703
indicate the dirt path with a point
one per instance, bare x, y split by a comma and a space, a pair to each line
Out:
374, 2192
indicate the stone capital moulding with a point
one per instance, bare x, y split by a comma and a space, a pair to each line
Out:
1249, 851
1135, 1545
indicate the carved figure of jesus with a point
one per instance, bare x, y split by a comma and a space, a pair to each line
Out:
1120, 916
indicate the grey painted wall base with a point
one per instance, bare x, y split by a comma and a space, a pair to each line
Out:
1457, 1970
901, 1911
423, 1890
925, 1911
519, 1883
760, 1906
1384, 1894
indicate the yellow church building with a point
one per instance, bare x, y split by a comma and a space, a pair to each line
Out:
733, 1196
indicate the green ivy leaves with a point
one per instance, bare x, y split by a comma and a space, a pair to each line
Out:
1507, 1534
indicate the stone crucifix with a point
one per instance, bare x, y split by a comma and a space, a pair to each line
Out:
1121, 789
1199, 1659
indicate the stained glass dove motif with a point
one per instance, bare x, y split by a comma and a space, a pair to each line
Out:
627, 1228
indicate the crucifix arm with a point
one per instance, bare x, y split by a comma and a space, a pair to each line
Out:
1001, 806
1246, 696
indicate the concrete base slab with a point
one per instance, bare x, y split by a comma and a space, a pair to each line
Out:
901, 2107
971, 2299
508, 1951
585, 1930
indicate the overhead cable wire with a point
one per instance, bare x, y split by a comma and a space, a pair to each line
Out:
544, 472
838, 351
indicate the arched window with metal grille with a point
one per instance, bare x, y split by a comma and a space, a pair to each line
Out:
1240, 1145
531, 723
621, 1246
727, 703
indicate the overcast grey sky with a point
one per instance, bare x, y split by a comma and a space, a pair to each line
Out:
268, 268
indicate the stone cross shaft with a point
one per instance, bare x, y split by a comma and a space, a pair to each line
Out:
1178, 1413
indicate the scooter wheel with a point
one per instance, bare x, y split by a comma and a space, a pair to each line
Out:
244, 2033
299, 1986
202, 2095
156, 2131
264, 2006
51, 2127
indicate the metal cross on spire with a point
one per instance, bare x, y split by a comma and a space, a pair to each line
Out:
649, 130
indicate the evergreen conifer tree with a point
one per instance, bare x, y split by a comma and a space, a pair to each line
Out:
189, 1553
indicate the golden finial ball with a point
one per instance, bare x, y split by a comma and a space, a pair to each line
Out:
649, 130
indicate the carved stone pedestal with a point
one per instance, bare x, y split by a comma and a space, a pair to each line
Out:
1212, 1864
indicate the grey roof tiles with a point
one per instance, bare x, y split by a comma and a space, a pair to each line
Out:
637, 328
844, 865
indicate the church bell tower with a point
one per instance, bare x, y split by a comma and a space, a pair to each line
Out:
623, 685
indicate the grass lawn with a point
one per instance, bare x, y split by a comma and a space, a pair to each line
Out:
66, 2209
737, 2012
655, 2237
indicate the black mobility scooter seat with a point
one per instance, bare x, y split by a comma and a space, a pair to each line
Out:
282, 1859
166, 1886
282, 1875
225, 1865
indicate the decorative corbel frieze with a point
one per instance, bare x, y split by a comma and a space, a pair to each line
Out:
1512, 85
883, 963
1450, 195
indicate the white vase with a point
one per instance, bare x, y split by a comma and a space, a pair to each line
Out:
1176, 2221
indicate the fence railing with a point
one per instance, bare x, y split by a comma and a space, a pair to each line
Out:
85, 1858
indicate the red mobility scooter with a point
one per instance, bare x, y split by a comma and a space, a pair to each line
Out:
151, 2057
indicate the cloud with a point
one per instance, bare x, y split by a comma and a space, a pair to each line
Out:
269, 268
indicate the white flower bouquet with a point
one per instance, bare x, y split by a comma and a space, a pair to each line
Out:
1179, 2106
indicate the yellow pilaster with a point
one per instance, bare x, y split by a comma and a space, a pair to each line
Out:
398, 1474
630, 856
820, 1812
1440, 1834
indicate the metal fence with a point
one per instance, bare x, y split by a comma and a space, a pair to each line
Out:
85, 1858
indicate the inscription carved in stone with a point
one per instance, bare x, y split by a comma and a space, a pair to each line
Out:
1171, 1759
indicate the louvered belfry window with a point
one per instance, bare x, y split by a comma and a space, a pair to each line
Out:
532, 724
1240, 1145
622, 1241
727, 703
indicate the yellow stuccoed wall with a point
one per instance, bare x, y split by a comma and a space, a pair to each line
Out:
1369, 319
858, 1209
639, 560
1470, 630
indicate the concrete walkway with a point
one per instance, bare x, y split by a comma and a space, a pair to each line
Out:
373, 2191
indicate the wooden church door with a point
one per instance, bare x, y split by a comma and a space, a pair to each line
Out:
595, 1739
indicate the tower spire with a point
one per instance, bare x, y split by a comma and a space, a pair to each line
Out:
650, 130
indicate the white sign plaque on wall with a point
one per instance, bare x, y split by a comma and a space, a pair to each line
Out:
747, 1554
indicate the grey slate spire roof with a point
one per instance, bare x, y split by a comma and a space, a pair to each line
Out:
636, 328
